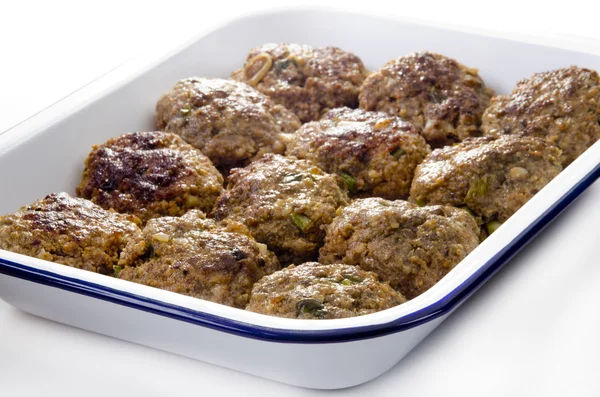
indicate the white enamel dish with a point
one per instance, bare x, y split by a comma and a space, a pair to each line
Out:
45, 154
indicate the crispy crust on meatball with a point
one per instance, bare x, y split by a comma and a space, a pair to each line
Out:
150, 174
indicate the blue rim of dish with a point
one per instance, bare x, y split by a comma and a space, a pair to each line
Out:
428, 313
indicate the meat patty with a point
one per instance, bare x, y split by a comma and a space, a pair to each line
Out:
410, 247
73, 232
315, 291
194, 256
437, 94
493, 178
284, 202
304, 79
376, 154
229, 121
561, 106
150, 174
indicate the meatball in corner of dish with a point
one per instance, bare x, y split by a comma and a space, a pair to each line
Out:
150, 174
561, 106
285, 203
316, 291
440, 96
195, 256
73, 232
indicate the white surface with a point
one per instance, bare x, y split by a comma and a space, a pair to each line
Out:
530, 331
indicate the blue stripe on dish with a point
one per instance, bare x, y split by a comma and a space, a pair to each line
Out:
435, 310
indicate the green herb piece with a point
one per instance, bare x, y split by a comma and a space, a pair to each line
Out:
302, 222
465, 208
311, 306
349, 180
421, 202
492, 226
398, 153
352, 278
478, 188
117, 270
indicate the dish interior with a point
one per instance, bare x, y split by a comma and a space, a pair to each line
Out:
37, 160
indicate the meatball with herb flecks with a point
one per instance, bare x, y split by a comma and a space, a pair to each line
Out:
73, 232
408, 246
284, 202
493, 178
304, 79
316, 291
229, 121
194, 256
150, 174
561, 106
437, 94
374, 153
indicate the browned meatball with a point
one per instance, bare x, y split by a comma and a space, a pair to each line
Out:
410, 247
230, 122
194, 256
304, 79
284, 202
150, 174
315, 291
492, 177
437, 94
561, 106
376, 154
73, 232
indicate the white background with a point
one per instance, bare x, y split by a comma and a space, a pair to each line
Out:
534, 330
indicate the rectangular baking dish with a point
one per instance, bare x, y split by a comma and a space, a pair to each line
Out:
46, 152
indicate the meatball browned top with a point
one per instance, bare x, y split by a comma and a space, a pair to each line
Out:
492, 177
376, 154
150, 174
437, 94
284, 202
410, 247
561, 106
304, 79
73, 232
193, 256
315, 291
230, 122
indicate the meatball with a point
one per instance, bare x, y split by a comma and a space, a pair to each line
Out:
192, 255
73, 232
150, 174
410, 247
304, 79
437, 94
315, 291
284, 202
561, 106
376, 154
230, 122
493, 178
